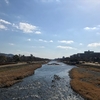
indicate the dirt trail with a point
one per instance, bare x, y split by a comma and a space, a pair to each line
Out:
13, 64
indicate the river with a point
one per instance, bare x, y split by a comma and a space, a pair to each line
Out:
50, 82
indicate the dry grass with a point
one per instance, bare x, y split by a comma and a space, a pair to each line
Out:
86, 82
11, 75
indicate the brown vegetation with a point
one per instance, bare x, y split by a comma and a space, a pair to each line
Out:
86, 81
13, 74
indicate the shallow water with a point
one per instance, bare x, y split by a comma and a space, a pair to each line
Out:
50, 82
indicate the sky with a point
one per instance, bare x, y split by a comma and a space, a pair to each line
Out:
49, 28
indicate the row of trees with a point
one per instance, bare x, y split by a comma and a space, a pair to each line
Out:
81, 58
19, 58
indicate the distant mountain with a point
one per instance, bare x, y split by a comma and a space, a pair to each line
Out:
7, 55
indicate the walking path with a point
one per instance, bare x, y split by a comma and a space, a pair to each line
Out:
13, 64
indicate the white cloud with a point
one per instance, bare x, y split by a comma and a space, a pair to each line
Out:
37, 32
92, 28
66, 42
51, 41
12, 44
37, 46
66, 47
16, 26
3, 27
81, 44
27, 28
3, 24
94, 45
28, 39
7, 2
41, 40
4, 21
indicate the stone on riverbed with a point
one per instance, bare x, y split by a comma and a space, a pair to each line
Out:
56, 77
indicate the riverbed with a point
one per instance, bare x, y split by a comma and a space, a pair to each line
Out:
50, 82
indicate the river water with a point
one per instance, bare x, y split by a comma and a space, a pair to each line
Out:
50, 82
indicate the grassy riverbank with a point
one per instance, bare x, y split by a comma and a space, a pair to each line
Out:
13, 74
86, 81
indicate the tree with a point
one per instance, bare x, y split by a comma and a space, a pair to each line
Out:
3, 59
16, 58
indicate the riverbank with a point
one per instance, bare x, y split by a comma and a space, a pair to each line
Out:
12, 74
85, 80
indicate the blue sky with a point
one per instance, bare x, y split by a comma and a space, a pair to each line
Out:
49, 28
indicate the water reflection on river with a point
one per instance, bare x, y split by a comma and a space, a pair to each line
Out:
43, 85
